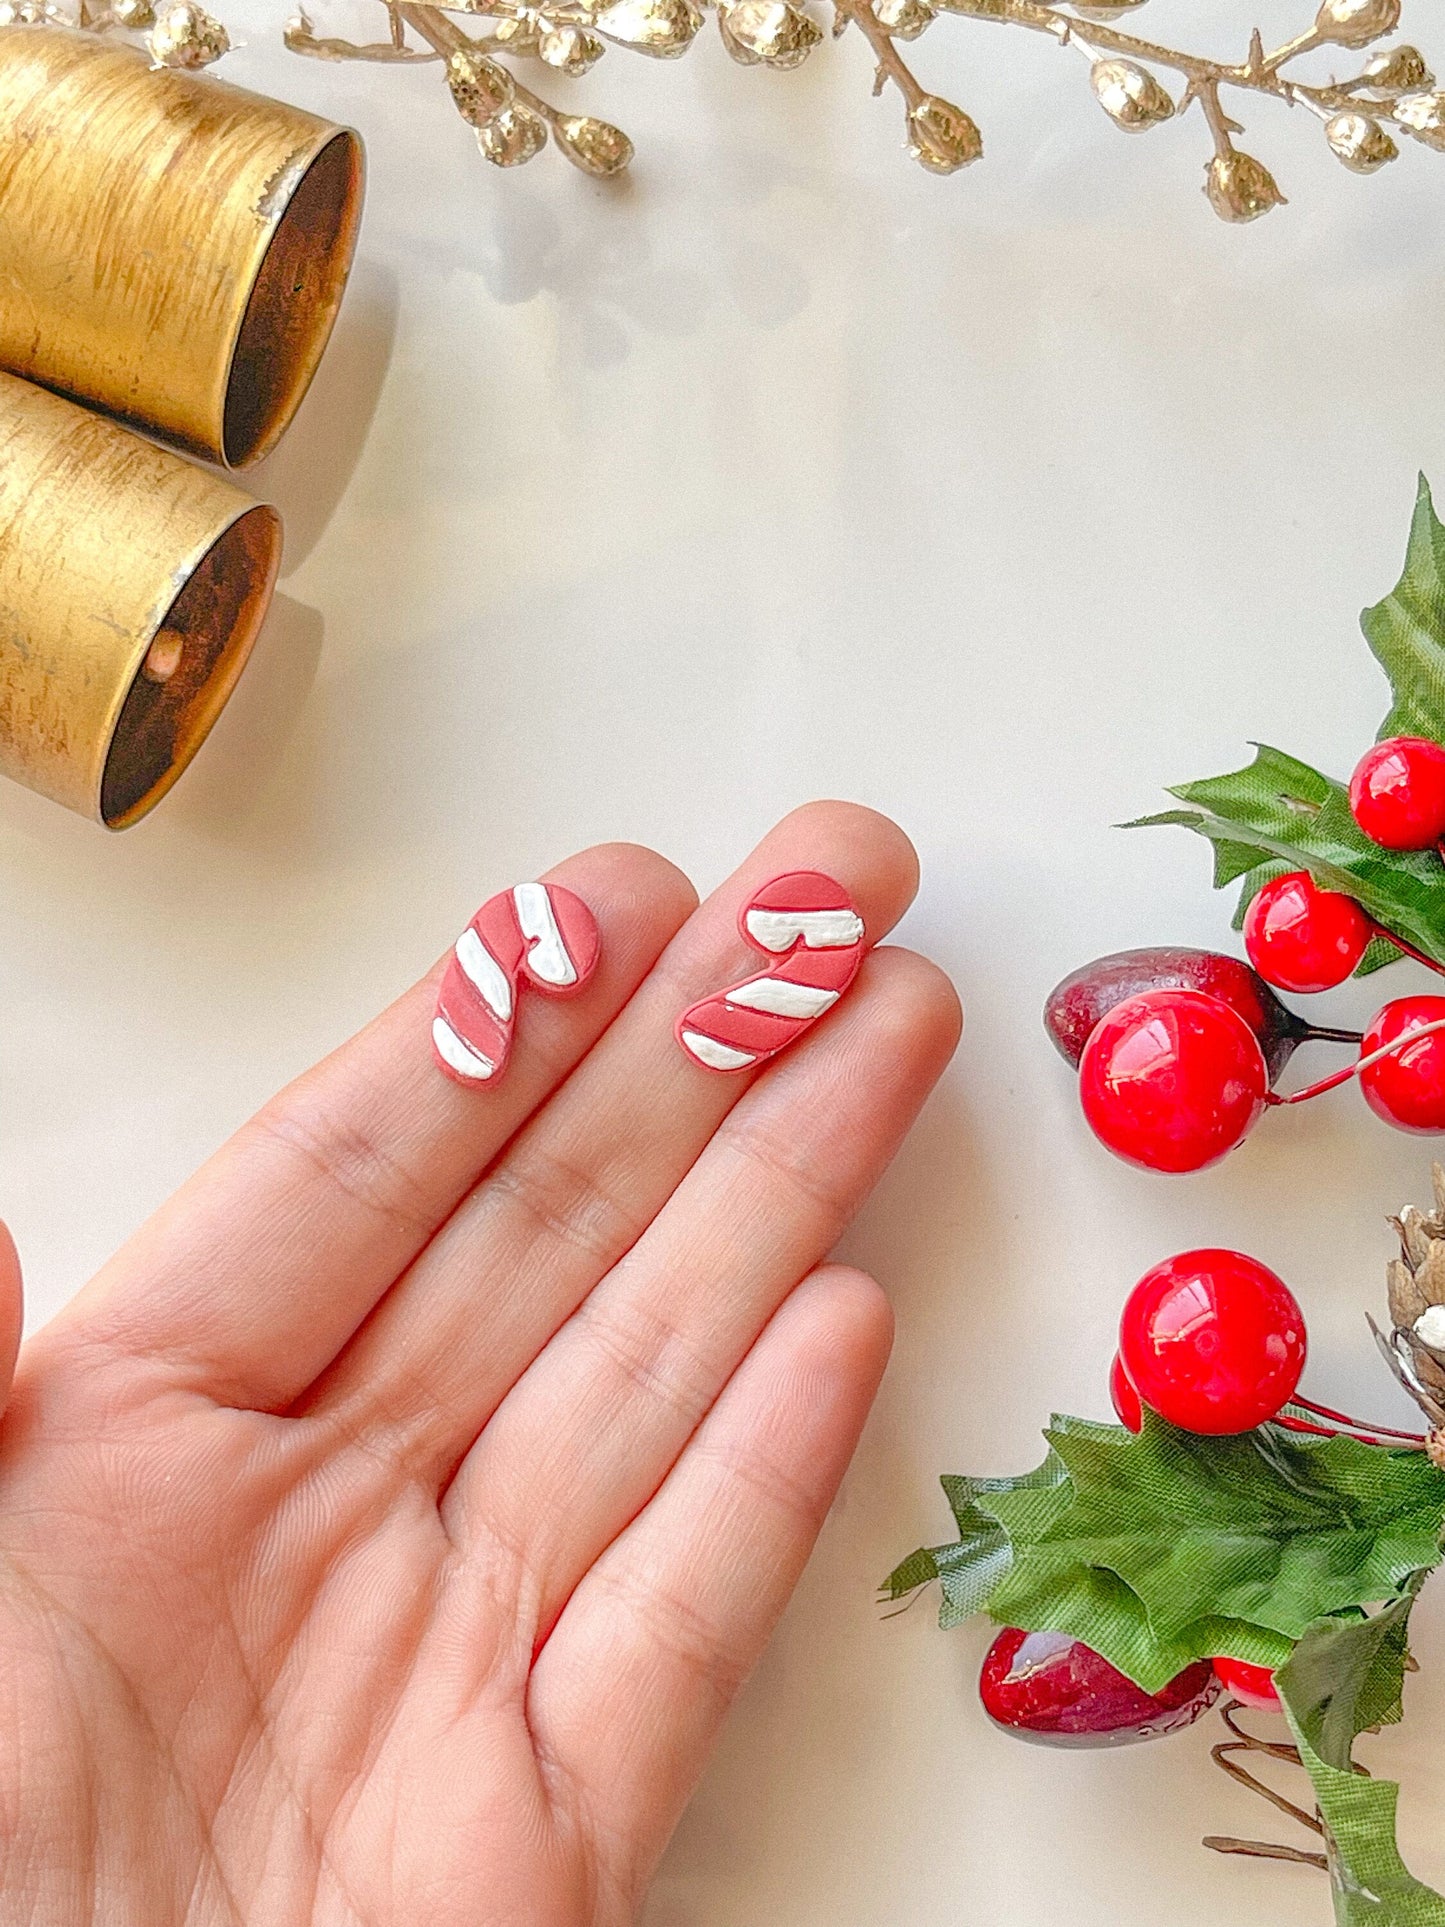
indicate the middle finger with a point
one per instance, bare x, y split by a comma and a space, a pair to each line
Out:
580, 1185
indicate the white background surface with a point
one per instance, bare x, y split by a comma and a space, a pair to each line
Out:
996, 502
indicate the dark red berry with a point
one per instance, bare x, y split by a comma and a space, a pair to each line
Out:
1213, 1341
1077, 1004
1407, 1088
1125, 1398
1397, 793
1049, 1687
1252, 1684
1172, 1080
1302, 938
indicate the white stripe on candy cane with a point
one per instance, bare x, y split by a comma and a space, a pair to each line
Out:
548, 957
779, 998
485, 975
465, 1061
779, 930
717, 1057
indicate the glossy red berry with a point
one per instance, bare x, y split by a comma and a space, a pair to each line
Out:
1213, 1341
1172, 1080
1397, 793
1254, 1685
1407, 1088
1092, 991
1300, 937
1125, 1398
1050, 1687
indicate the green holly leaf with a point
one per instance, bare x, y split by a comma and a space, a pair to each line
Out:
1267, 1528
1406, 632
1167, 1547
974, 1564
1344, 1677
1093, 1604
1380, 953
1285, 812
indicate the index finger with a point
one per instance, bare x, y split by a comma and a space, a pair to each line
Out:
252, 1277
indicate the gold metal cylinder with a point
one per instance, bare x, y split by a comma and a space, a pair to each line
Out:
172, 249
132, 585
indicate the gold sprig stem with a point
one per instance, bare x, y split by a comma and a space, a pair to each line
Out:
1221, 127
1259, 73
440, 34
891, 64
300, 40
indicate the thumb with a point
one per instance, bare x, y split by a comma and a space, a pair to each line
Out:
12, 1311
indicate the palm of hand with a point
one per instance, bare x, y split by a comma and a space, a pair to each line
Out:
385, 1532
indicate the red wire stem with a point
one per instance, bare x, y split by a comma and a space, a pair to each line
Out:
1359, 1425
1337, 1078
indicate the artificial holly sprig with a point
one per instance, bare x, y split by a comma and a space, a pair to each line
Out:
1138, 1556
1234, 1535
1279, 814
1181, 1052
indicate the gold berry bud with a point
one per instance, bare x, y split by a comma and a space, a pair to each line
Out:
662, 28
1355, 23
1240, 188
185, 35
480, 88
137, 15
24, 13
513, 136
1400, 71
904, 19
941, 137
1360, 142
1107, 9
1423, 116
595, 146
771, 31
1130, 95
572, 50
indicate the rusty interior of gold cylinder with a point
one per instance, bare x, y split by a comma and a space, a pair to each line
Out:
205, 640
294, 301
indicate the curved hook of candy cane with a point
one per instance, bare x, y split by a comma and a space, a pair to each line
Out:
537, 934
809, 924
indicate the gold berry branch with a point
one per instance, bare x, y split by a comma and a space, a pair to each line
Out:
1139, 83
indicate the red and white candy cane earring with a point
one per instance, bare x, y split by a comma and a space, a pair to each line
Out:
808, 923
537, 934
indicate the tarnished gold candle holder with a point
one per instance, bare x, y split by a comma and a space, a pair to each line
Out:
172, 249
132, 584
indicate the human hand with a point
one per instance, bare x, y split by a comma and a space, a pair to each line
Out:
386, 1529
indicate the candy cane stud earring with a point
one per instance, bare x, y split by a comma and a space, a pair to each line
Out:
537, 934
806, 922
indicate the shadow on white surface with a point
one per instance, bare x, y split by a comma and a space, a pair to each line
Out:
232, 792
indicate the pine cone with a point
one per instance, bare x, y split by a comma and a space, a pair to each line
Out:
1416, 1281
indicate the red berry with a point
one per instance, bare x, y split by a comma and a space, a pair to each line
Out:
1213, 1341
1252, 1684
1300, 937
1050, 1687
1172, 1080
1397, 793
1126, 1399
1407, 1088
1091, 992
